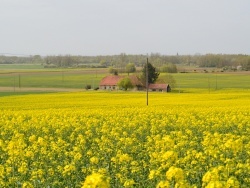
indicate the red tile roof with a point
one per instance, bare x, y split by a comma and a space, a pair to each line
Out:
135, 80
112, 80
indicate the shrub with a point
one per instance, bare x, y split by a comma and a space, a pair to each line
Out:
88, 86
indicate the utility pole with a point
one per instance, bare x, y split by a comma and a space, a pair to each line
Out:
14, 84
19, 83
208, 80
147, 80
216, 82
63, 79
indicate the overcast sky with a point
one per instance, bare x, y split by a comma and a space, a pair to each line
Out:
109, 27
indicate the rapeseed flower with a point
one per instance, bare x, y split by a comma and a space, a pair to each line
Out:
175, 174
96, 180
163, 184
59, 143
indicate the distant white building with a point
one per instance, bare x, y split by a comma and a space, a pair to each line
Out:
239, 67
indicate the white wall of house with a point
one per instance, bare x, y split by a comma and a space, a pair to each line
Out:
107, 87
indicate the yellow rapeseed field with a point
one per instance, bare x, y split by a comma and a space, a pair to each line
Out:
112, 139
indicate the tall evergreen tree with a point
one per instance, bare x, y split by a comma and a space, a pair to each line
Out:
152, 73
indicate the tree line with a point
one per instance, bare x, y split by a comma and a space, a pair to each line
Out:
164, 63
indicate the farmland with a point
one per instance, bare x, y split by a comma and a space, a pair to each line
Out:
195, 136
112, 139
55, 78
19, 77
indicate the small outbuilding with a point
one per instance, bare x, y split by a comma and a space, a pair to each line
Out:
159, 87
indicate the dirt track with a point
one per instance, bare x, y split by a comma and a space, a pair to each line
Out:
32, 89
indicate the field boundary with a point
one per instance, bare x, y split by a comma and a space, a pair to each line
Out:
30, 89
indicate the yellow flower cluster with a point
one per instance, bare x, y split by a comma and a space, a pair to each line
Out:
175, 178
96, 180
181, 140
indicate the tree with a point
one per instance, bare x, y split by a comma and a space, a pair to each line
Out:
88, 86
246, 64
126, 84
122, 61
37, 59
130, 67
167, 79
170, 68
103, 63
113, 71
152, 74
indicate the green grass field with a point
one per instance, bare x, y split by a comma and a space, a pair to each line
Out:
211, 81
52, 78
20, 67
22, 76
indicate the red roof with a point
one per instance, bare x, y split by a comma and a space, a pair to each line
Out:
113, 80
110, 80
135, 80
158, 86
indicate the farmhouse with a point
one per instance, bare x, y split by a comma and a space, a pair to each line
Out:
111, 82
159, 87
